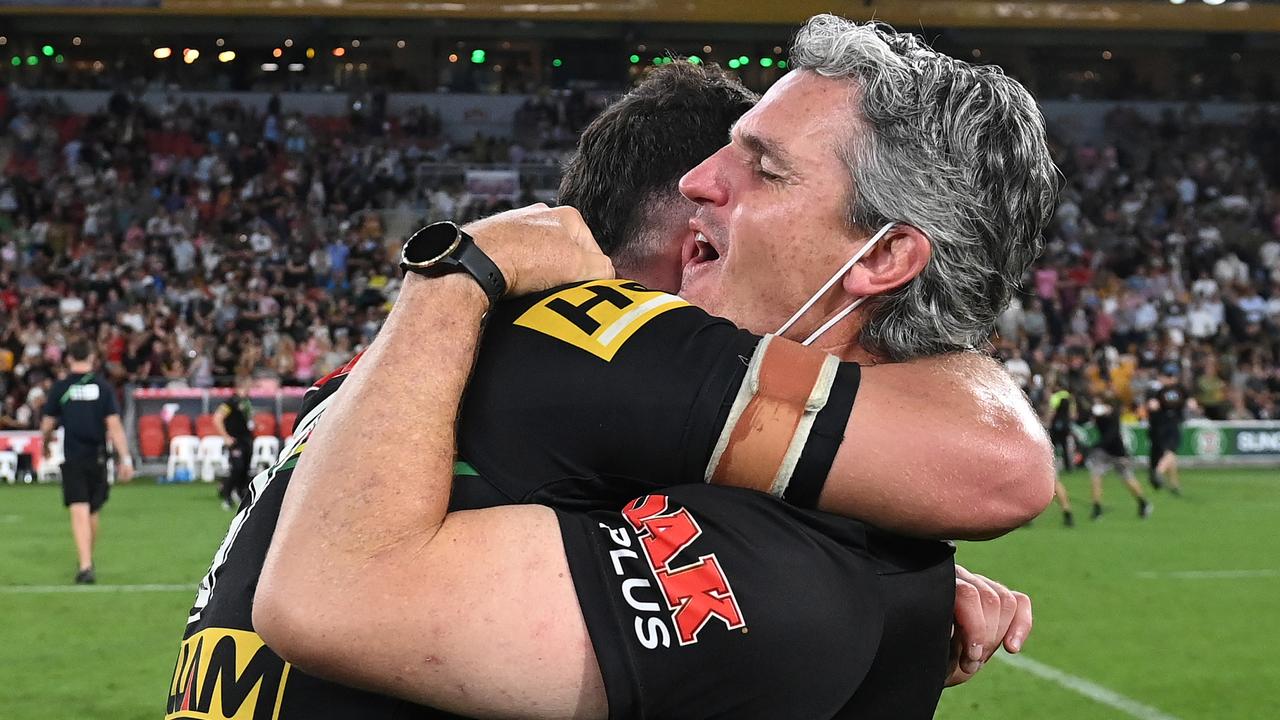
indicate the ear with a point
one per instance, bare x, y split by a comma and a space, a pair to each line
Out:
896, 259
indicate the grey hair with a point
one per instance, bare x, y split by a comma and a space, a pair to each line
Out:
955, 150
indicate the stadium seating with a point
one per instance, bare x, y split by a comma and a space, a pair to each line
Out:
179, 425
286, 424
151, 436
8, 466
211, 457
51, 465
265, 451
264, 424
205, 426
183, 450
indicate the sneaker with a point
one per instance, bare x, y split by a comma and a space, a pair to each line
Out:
1177, 491
86, 577
1068, 520
1096, 512
226, 505
1157, 482
1145, 508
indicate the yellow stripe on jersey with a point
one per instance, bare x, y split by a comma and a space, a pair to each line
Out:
598, 316
225, 674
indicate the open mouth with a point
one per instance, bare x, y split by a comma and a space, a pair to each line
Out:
698, 250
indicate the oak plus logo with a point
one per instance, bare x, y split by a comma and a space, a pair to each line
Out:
693, 594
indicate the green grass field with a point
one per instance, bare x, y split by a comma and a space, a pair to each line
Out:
1174, 617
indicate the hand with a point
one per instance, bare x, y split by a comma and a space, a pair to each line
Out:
540, 247
988, 614
124, 471
228, 441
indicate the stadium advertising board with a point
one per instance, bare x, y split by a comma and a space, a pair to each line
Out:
1210, 442
504, 184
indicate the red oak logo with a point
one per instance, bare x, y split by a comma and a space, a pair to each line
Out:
695, 593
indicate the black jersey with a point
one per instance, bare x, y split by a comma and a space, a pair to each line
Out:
1171, 407
1106, 419
583, 399
237, 417
82, 403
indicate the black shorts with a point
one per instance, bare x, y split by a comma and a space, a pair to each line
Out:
714, 602
1166, 440
85, 481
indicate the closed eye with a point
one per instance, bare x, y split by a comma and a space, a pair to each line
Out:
766, 175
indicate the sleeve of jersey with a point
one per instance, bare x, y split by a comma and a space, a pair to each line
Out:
109, 405
616, 383
52, 403
786, 422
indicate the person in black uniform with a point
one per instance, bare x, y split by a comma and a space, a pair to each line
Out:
1166, 409
234, 422
561, 433
1061, 415
696, 601
1111, 453
84, 404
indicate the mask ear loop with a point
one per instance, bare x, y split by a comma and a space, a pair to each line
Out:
827, 286
837, 318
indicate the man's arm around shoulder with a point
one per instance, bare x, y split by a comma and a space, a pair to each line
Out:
369, 583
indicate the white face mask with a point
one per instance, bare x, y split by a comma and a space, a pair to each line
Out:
827, 286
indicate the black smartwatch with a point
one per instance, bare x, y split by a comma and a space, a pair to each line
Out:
442, 248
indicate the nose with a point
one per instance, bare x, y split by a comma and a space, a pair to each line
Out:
704, 184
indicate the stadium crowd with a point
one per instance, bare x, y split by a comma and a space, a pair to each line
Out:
195, 244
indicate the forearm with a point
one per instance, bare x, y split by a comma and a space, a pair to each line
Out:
945, 447
383, 455
47, 426
115, 431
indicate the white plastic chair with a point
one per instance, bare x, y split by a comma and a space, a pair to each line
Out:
182, 453
265, 451
9, 466
51, 465
211, 456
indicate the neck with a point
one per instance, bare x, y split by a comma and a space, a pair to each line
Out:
842, 339
81, 367
850, 352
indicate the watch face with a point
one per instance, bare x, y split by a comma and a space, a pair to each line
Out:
430, 244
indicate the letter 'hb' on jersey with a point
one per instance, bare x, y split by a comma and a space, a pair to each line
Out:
634, 390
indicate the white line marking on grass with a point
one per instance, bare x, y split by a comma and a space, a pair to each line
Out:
1210, 574
41, 589
10, 518
1087, 688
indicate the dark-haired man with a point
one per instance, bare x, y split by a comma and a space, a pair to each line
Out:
627, 431
85, 405
951, 172
233, 419
1111, 453
1166, 405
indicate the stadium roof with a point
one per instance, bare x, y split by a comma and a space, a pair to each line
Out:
1194, 15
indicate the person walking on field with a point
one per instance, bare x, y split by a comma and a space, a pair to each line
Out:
84, 404
234, 422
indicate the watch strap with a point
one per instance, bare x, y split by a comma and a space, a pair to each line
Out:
471, 258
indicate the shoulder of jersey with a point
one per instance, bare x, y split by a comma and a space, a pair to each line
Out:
598, 317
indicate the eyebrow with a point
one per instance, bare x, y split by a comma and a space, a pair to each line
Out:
761, 145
